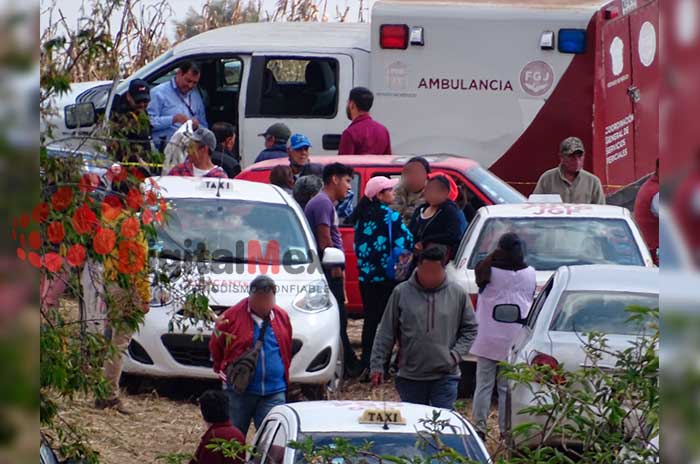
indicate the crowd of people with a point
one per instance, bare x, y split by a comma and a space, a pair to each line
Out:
406, 231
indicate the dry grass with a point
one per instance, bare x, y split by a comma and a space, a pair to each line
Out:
161, 425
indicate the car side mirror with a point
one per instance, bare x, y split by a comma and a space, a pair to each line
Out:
333, 257
508, 313
80, 115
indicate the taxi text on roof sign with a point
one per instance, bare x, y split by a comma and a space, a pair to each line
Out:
212, 184
379, 416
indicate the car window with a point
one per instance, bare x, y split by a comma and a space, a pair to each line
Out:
537, 305
497, 190
473, 226
264, 440
275, 454
299, 87
554, 242
234, 231
605, 312
230, 74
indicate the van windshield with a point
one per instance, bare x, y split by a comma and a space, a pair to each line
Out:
554, 242
233, 231
497, 190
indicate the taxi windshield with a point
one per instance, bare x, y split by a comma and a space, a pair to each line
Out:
402, 445
554, 242
233, 231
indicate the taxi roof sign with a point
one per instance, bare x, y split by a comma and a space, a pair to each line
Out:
544, 198
382, 417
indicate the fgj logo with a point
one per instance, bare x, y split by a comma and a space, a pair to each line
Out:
537, 78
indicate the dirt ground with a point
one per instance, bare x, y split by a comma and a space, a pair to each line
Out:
165, 419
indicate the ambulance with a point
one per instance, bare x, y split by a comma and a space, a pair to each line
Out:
499, 81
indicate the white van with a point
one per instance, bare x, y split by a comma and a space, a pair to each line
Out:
254, 75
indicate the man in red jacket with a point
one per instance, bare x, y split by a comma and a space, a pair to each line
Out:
214, 407
646, 212
364, 135
235, 334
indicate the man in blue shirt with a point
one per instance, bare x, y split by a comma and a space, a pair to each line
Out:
176, 101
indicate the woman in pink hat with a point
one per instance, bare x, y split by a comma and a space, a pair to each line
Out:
380, 238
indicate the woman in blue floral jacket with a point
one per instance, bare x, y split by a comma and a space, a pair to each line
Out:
376, 224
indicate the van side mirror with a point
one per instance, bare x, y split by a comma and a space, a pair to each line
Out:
80, 115
333, 257
508, 313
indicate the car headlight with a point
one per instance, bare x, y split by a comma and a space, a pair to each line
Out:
313, 298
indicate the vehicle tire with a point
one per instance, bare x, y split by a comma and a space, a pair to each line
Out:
133, 384
314, 392
467, 383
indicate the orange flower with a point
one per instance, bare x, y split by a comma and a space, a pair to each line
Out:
111, 208
62, 199
34, 259
89, 182
84, 220
104, 241
76, 255
137, 174
152, 197
147, 216
130, 227
132, 257
134, 199
21, 254
53, 262
40, 212
55, 232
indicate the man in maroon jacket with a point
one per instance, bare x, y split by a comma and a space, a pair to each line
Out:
236, 332
364, 136
214, 407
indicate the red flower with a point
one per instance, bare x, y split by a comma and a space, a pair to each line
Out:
152, 197
163, 205
21, 254
62, 199
53, 262
40, 212
132, 257
130, 227
134, 199
76, 255
159, 217
138, 174
89, 182
104, 241
111, 208
116, 173
35, 240
55, 232
24, 221
147, 216
84, 220
35, 260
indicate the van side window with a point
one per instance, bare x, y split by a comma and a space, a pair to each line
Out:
299, 87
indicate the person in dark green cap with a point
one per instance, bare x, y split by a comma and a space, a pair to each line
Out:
276, 137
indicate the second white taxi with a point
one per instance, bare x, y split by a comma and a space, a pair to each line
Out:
392, 429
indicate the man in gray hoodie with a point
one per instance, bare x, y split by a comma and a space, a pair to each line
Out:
433, 319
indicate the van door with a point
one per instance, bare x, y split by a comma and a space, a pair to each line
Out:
644, 27
306, 91
618, 112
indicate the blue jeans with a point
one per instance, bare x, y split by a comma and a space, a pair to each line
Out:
246, 407
441, 393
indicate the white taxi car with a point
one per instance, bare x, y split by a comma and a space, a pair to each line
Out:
392, 428
247, 228
575, 301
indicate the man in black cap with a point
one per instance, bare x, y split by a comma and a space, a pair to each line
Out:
276, 137
131, 127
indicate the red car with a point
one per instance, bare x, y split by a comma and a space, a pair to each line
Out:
483, 188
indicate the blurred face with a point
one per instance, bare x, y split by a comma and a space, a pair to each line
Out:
341, 186
414, 177
185, 82
573, 163
299, 157
230, 142
430, 274
269, 141
386, 196
350, 110
436, 193
261, 303
139, 106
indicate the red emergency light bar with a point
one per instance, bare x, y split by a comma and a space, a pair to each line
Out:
393, 36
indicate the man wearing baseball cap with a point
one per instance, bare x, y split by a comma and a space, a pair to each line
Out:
298, 152
130, 122
276, 137
198, 162
569, 180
